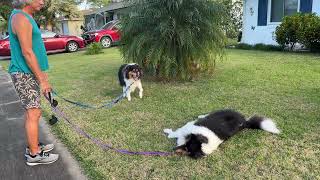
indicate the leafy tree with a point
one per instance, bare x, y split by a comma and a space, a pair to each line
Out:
287, 32
309, 31
299, 28
5, 9
173, 39
3, 24
48, 15
232, 23
99, 3
54, 9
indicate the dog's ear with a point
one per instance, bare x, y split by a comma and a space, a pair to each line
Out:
126, 71
181, 150
202, 138
141, 71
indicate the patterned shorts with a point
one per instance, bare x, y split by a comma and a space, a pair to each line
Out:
28, 90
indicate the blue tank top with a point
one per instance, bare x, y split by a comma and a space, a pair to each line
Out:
18, 61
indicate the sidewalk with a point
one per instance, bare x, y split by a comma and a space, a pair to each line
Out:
13, 143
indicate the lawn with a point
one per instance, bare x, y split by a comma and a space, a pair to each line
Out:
281, 86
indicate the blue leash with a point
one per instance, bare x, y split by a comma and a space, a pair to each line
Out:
88, 106
98, 142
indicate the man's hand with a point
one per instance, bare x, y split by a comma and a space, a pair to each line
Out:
45, 87
44, 84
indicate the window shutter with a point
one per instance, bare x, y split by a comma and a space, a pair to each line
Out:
306, 6
262, 12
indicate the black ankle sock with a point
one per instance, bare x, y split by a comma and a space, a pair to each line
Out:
39, 153
33, 156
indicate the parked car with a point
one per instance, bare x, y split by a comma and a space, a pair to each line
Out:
4, 46
108, 35
52, 41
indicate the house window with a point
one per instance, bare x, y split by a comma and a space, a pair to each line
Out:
281, 8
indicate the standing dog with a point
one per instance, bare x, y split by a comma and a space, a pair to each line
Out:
202, 136
130, 79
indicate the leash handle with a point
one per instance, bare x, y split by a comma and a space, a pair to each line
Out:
52, 101
50, 97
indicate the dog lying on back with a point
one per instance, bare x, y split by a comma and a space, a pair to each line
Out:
130, 78
202, 136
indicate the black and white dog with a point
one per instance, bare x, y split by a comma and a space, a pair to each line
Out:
202, 136
130, 78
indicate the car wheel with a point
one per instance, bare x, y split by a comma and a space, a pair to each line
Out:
72, 46
106, 42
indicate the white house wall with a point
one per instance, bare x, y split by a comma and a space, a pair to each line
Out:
316, 6
253, 34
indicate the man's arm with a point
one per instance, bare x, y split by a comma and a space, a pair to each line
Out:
23, 29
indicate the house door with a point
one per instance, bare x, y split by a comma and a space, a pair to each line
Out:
65, 28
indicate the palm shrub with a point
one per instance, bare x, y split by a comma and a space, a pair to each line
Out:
94, 48
173, 38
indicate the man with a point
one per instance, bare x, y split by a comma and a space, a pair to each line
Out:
28, 63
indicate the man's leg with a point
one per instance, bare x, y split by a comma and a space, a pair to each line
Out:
32, 117
29, 92
36, 155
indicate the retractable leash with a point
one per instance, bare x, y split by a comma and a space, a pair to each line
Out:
60, 113
88, 106
53, 103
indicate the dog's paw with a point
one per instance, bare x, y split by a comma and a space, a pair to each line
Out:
170, 133
202, 116
167, 131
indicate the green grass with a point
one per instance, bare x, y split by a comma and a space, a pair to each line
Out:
282, 86
232, 42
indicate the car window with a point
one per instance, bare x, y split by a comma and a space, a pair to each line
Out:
47, 34
109, 25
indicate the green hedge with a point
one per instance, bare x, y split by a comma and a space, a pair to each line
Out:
299, 28
261, 47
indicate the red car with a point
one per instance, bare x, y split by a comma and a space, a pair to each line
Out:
5, 47
52, 41
108, 35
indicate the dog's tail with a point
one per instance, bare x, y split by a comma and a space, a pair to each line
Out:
266, 124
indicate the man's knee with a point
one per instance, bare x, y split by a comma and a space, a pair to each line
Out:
34, 113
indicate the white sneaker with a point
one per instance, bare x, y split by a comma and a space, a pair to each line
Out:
41, 158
